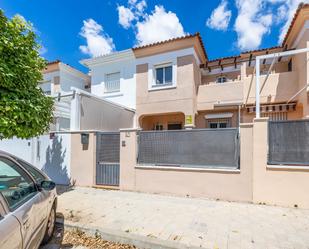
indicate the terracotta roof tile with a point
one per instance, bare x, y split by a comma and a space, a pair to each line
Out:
300, 6
53, 62
175, 39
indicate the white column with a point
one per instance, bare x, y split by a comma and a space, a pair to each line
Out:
75, 113
257, 87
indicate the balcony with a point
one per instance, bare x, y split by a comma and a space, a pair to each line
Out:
279, 87
219, 94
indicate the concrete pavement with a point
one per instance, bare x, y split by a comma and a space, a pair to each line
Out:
172, 222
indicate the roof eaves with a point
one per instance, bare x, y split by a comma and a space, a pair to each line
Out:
175, 39
300, 7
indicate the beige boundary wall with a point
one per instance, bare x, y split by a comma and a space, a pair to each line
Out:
279, 185
83, 160
221, 184
255, 181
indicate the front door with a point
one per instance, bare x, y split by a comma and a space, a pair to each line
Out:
108, 158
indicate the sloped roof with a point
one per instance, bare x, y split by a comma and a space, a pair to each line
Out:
173, 40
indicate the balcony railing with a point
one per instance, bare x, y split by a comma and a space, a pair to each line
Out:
112, 86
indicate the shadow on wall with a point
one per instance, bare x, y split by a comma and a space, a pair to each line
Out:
54, 166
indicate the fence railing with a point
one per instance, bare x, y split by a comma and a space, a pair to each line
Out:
112, 86
288, 142
202, 148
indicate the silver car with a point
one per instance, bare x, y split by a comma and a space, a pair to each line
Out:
28, 202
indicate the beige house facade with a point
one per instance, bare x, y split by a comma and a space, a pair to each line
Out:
177, 86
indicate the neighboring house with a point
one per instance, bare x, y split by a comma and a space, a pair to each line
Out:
113, 77
59, 78
173, 85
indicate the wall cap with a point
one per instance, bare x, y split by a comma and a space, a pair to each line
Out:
288, 167
256, 120
171, 168
246, 125
130, 129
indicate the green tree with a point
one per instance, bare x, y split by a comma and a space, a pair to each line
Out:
24, 109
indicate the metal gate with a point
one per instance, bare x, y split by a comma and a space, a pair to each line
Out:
108, 154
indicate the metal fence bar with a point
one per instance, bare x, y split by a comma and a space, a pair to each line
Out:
288, 142
190, 148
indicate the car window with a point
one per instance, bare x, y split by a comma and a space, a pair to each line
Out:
15, 184
38, 176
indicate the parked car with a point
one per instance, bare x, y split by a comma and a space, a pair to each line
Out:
28, 202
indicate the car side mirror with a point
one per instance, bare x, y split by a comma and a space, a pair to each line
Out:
47, 185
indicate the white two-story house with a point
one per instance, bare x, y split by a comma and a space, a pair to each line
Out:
113, 77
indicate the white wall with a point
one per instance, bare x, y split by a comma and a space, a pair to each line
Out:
68, 80
127, 94
69, 77
22, 148
53, 156
48, 79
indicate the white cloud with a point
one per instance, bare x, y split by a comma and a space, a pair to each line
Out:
287, 14
251, 23
98, 42
125, 16
156, 26
159, 25
140, 6
220, 17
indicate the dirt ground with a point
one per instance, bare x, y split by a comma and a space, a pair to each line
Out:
69, 239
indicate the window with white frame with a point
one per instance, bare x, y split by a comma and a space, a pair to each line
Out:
219, 123
112, 82
164, 75
158, 127
221, 79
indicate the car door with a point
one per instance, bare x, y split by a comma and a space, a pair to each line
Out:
23, 200
46, 197
10, 234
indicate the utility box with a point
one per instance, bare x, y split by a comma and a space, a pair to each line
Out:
84, 138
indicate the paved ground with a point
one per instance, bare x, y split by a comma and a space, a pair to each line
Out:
187, 221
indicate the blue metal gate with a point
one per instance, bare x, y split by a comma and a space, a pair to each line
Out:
108, 154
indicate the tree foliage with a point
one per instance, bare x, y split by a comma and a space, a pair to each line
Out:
24, 109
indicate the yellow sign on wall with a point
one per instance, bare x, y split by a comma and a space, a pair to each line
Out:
188, 119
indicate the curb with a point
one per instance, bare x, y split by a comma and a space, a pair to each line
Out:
121, 237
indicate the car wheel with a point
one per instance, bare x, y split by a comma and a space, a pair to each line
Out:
50, 226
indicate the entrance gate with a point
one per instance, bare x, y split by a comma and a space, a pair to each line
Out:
108, 154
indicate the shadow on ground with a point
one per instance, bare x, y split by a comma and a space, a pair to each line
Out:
61, 189
57, 241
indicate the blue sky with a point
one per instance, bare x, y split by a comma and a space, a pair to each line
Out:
71, 30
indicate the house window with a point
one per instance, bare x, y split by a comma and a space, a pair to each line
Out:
158, 127
112, 83
174, 126
221, 79
164, 75
219, 123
